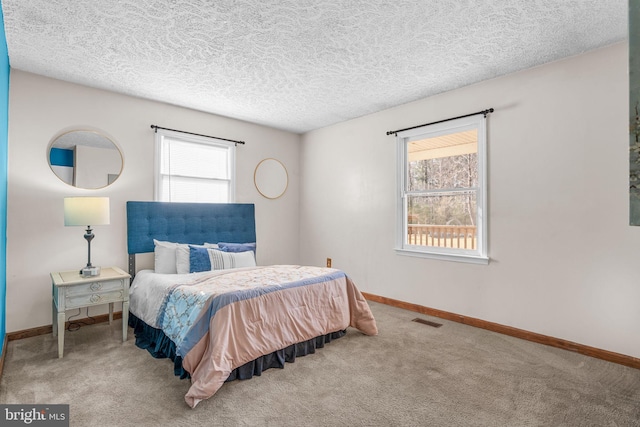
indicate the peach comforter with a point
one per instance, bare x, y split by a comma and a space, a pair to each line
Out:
225, 319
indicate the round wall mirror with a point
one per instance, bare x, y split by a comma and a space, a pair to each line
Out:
271, 178
85, 159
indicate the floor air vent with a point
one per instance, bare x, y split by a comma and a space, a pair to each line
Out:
427, 322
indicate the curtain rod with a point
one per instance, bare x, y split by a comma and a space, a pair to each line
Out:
196, 134
485, 112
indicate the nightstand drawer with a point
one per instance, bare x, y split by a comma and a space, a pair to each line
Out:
95, 287
75, 301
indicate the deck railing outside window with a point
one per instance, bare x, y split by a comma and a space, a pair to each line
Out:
444, 236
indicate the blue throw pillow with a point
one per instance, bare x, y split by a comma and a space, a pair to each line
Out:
237, 247
198, 259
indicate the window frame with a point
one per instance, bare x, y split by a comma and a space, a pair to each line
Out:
193, 139
478, 255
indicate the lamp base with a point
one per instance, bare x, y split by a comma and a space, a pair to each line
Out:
90, 271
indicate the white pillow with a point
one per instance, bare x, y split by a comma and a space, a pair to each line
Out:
223, 260
165, 257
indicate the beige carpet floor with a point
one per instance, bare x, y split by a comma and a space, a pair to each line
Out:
409, 375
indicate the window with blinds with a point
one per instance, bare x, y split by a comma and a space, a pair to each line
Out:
191, 168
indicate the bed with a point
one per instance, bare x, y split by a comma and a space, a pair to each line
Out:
211, 309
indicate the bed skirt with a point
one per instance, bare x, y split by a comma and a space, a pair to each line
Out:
160, 346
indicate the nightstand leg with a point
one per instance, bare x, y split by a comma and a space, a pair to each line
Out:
54, 310
60, 328
110, 312
125, 319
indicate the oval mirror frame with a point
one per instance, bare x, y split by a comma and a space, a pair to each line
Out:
271, 178
85, 158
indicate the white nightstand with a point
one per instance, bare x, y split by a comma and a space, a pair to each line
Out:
71, 290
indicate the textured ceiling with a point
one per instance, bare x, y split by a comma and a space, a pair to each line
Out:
298, 65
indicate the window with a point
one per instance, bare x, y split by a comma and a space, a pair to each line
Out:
442, 193
192, 168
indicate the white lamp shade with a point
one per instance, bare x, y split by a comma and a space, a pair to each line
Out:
86, 211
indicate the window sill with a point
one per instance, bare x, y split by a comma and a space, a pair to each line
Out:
471, 259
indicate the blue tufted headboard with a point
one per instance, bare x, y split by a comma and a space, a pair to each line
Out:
194, 223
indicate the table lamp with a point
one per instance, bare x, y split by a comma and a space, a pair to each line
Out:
87, 211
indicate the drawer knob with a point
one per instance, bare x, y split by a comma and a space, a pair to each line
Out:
95, 298
96, 286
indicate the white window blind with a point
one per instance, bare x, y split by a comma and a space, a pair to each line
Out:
192, 168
